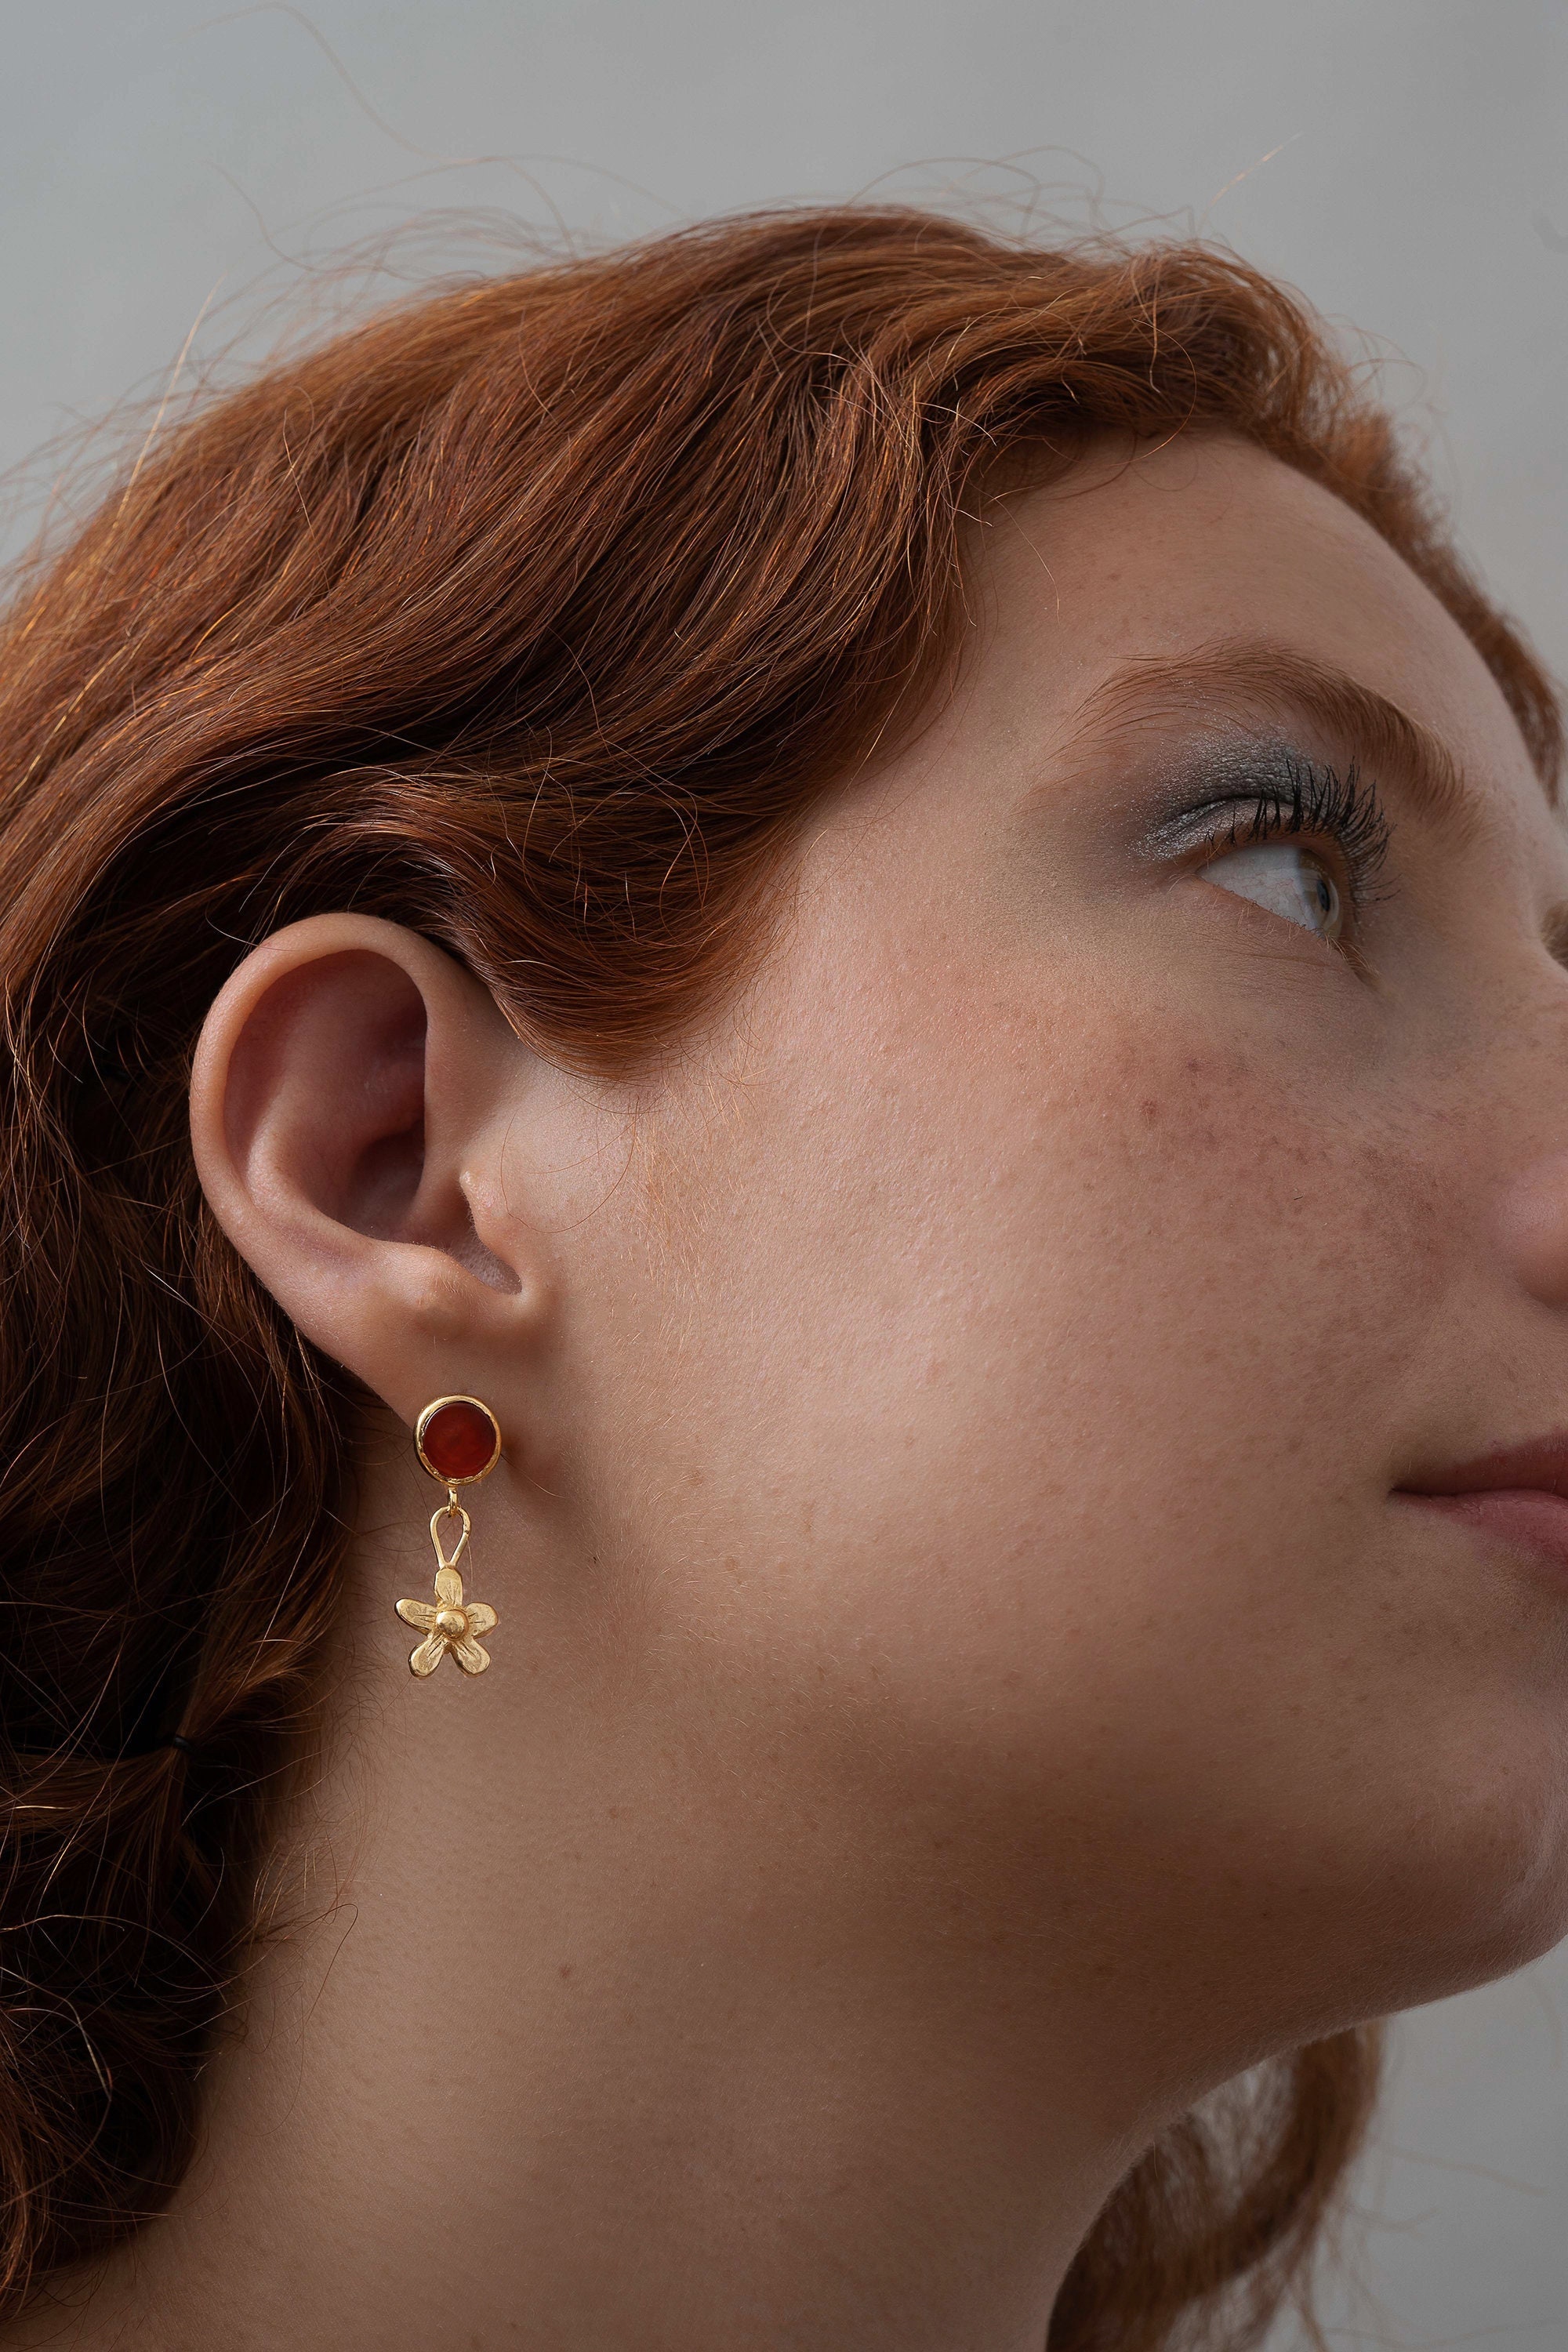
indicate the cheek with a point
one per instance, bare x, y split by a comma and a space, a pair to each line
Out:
999, 1312
1027, 1393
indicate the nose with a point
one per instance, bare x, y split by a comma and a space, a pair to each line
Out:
1535, 1228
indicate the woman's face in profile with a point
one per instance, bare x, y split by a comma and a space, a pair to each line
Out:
1021, 1320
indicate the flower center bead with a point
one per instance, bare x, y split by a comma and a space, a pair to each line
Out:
453, 1623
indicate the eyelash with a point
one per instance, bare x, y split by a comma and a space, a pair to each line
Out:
1313, 799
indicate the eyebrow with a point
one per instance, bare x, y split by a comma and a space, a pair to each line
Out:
1243, 680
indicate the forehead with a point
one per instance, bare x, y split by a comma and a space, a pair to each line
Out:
1206, 541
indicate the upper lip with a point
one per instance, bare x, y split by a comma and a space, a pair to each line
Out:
1541, 1463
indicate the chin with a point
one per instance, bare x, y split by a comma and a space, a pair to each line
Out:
1478, 1888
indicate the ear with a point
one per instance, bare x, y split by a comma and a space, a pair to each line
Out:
349, 1101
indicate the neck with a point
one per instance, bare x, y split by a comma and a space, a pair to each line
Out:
577, 2030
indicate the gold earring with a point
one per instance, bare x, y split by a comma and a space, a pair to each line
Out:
458, 1439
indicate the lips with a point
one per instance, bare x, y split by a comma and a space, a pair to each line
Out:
1518, 1494
1540, 1466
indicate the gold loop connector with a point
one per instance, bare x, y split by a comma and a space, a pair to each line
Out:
448, 1510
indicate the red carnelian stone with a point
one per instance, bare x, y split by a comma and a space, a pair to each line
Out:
459, 1441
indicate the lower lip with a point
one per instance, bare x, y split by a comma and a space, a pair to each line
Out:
1527, 1519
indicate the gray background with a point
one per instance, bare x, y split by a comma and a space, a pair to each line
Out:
172, 168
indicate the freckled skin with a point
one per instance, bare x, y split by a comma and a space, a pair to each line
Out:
968, 1684
1201, 1229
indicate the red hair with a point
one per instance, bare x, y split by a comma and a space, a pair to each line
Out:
531, 613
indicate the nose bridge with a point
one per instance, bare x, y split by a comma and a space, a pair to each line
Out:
1535, 1039
1530, 1106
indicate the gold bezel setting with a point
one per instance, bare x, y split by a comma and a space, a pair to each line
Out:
428, 1415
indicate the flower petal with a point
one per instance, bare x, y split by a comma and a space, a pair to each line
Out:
429, 1655
449, 1586
470, 1657
416, 1612
481, 1616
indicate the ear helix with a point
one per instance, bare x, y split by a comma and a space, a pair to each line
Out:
458, 1440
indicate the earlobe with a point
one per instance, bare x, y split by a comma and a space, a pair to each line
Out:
350, 1090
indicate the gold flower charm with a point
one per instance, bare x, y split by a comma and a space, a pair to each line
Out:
450, 1624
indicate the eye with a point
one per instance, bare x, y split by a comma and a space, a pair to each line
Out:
1286, 878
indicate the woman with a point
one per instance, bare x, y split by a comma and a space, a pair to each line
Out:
890, 895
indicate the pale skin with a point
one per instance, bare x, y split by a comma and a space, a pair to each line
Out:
966, 1680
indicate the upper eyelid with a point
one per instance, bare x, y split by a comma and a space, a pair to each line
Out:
1312, 819
1235, 686
1275, 775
